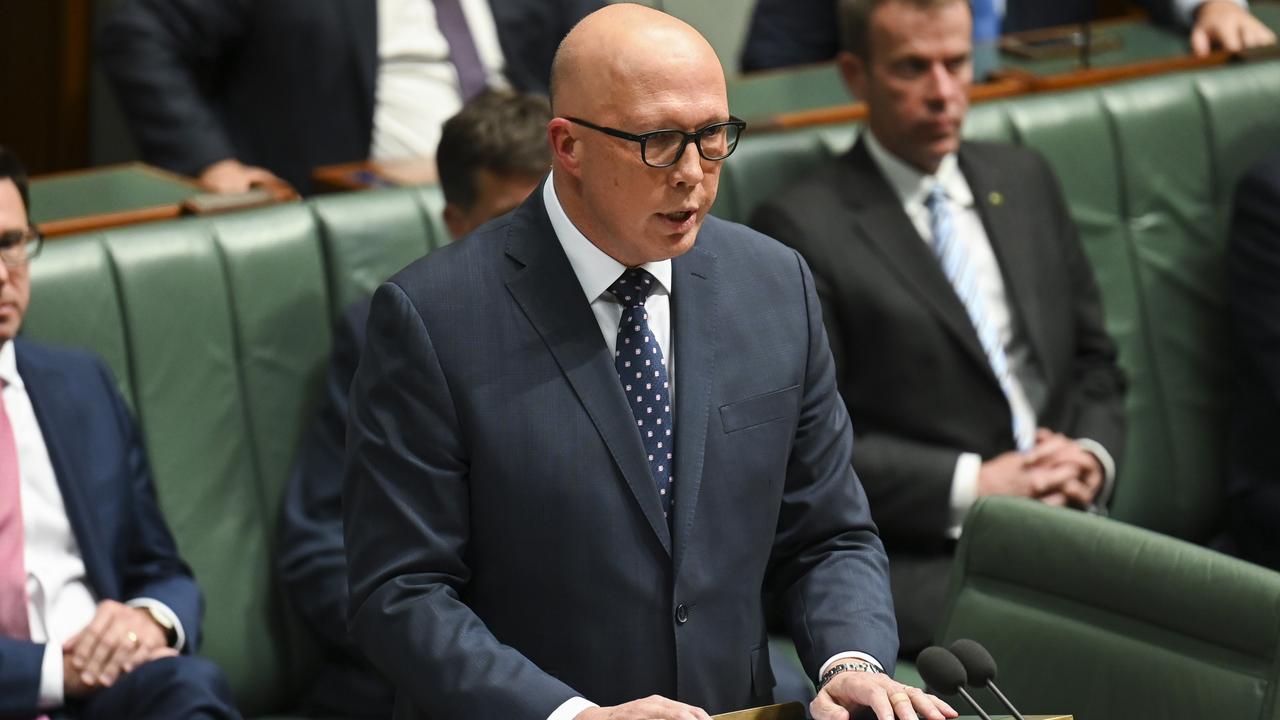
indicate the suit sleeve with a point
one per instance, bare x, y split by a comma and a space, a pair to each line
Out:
829, 565
406, 517
1097, 383
313, 564
151, 565
163, 58
19, 677
790, 32
908, 482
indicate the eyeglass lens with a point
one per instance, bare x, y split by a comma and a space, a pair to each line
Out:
715, 142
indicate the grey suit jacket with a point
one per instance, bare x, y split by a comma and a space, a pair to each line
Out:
918, 386
506, 545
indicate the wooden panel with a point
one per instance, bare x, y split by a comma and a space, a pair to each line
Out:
45, 50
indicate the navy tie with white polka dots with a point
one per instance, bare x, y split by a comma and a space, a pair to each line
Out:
643, 372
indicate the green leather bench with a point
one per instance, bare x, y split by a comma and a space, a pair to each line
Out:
218, 331
218, 328
1148, 168
1107, 621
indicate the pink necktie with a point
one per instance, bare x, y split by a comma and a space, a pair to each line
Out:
13, 571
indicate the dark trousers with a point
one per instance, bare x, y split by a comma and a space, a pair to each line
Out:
179, 688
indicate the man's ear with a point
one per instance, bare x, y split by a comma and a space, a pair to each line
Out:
565, 148
456, 220
854, 73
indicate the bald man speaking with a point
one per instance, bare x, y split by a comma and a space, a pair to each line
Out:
586, 439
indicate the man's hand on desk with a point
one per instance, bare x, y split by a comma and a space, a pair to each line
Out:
1224, 24
233, 176
654, 707
888, 698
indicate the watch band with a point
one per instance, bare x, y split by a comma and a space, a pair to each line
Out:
834, 670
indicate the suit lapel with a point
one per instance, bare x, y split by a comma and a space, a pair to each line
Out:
550, 295
57, 414
884, 225
361, 17
1011, 230
695, 301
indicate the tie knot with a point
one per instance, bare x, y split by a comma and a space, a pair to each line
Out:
632, 288
937, 198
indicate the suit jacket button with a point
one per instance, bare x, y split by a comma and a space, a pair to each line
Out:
682, 614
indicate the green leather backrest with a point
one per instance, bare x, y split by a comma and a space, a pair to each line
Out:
1148, 168
1108, 621
369, 236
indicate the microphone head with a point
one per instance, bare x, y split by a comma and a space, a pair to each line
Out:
941, 670
978, 664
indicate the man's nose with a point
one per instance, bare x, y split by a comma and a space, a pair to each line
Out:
943, 86
688, 169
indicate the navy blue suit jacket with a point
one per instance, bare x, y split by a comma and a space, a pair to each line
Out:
1253, 264
285, 84
102, 471
505, 540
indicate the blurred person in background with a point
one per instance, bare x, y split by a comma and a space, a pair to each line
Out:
99, 616
964, 318
795, 32
1253, 267
244, 93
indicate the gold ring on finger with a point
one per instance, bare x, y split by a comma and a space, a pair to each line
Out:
132, 637
899, 697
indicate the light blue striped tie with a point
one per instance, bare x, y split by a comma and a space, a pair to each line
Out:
959, 270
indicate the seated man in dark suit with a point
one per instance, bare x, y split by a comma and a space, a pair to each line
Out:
584, 441
964, 317
99, 617
1253, 264
239, 93
795, 32
492, 155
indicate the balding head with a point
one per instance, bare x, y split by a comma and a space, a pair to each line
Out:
621, 47
635, 70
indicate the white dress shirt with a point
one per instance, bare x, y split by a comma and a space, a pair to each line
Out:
912, 188
60, 602
596, 271
417, 84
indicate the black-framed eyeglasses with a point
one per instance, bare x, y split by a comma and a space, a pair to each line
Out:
17, 247
664, 148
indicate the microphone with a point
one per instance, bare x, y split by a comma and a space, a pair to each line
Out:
980, 667
944, 673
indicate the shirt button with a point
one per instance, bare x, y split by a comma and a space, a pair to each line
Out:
682, 614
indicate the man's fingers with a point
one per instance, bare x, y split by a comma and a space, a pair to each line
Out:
880, 705
902, 705
824, 708
1200, 42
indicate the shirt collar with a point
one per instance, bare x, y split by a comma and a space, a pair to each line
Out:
9, 365
596, 271
911, 185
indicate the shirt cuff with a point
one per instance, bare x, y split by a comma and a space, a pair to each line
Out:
1102, 500
1185, 10
51, 680
180, 637
570, 708
964, 490
848, 656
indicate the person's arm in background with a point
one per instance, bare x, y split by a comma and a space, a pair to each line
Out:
163, 57
312, 561
1225, 24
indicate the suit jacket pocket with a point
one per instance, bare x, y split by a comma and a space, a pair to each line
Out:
759, 410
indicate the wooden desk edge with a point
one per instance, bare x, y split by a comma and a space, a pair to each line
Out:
89, 223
